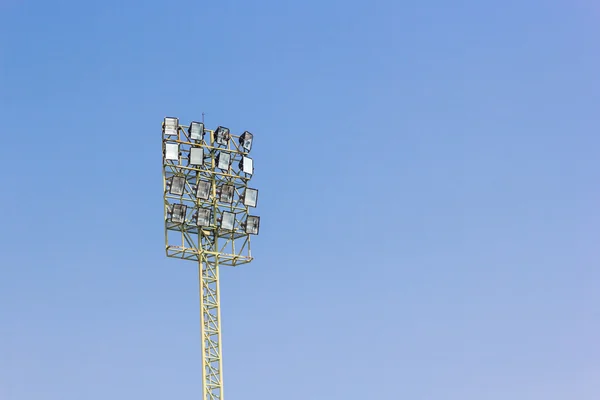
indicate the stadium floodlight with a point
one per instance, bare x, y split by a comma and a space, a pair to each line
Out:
196, 156
226, 195
250, 197
246, 140
177, 185
203, 217
252, 224
178, 213
172, 151
203, 190
196, 130
247, 165
224, 161
171, 126
227, 220
207, 206
222, 135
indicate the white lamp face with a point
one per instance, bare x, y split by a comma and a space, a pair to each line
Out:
171, 122
250, 197
227, 194
246, 140
228, 220
172, 151
222, 135
196, 130
177, 185
196, 156
224, 160
247, 165
203, 217
178, 215
171, 125
203, 190
252, 225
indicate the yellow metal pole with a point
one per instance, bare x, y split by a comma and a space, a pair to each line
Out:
202, 323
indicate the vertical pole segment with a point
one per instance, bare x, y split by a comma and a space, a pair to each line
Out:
210, 316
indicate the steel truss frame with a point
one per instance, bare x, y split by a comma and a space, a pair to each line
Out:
211, 246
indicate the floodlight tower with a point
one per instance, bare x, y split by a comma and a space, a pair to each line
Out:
207, 216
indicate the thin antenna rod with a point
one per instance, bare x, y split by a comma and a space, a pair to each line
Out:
202, 117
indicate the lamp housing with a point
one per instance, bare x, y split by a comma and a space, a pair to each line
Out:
246, 141
178, 213
203, 217
224, 160
246, 165
227, 220
226, 195
177, 185
250, 197
203, 189
171, 151
196, 156
222, 136
196, 130
171, 126
252, 224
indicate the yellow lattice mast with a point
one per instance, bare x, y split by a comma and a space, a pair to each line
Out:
207, 216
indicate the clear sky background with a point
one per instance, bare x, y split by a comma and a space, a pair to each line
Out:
429, 176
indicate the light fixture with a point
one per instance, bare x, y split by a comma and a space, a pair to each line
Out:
222, 135
203, 217
196, 156
178, 213
250, 197
224, 161
227, 220
171, 126
203, 190
171, 151
247, 165
252, 224
226, 194
177, 185
196, 130
246, 140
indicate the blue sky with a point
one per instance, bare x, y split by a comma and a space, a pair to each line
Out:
429, 198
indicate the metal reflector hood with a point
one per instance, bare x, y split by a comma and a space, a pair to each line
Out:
252, 224
227, 192
203, 190
246, 140
170, 126
224, 160
178, 213
247, 165
196, 130
196, 156
172, 151
228, 220
203, 218
177, 185
222, 135
250, 197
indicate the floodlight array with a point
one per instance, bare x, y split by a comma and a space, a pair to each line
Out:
206, 183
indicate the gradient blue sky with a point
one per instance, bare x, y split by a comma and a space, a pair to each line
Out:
429, 198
